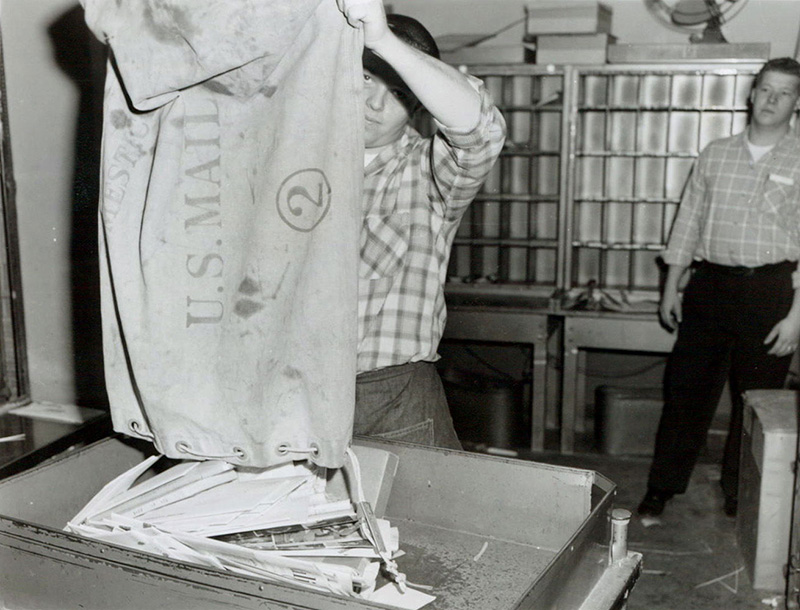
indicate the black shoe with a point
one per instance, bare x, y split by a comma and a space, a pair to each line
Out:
653, 503
731, 506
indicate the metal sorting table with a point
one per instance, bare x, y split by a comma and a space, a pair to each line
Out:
605, 330
517, 320
530, 321
547, 532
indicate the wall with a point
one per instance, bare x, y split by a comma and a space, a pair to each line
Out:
53, 69
774, 21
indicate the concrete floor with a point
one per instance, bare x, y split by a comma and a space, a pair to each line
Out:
691, 559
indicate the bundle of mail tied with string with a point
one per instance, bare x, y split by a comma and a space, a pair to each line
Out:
230, 213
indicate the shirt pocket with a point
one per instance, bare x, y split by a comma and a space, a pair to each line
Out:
384, 245
781, 198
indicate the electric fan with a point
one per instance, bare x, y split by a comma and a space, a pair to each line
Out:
703, 19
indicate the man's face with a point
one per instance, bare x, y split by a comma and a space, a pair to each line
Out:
386, 111
774, 99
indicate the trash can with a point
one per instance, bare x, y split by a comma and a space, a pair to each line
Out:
485, 409
626, 419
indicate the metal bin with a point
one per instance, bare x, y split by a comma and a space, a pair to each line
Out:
486, 532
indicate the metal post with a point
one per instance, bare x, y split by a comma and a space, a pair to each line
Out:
618, 549
793, 566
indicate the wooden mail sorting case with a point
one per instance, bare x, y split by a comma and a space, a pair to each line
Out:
484, 532
766, 485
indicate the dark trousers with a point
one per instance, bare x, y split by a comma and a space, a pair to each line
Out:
404, 403
727, 314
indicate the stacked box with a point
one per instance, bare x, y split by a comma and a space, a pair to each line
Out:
569, 32
766, 485
573, 48
560, 17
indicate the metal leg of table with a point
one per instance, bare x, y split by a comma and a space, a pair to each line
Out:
569, 382
580, 392
554, 374
538, 394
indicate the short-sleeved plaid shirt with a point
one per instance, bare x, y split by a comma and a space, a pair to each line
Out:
736, 211
415, 194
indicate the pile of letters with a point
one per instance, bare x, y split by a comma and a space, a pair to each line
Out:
296, 523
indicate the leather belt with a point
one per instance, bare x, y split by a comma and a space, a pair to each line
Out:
742, 271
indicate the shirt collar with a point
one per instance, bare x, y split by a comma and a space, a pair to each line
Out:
391, 151
789, 140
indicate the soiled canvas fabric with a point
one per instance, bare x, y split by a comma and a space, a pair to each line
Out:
231, 187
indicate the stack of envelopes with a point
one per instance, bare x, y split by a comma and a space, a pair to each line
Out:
297, 522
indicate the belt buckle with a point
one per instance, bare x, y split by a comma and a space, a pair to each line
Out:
742, 271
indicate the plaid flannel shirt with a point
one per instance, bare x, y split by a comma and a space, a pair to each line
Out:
735, 211
415, 194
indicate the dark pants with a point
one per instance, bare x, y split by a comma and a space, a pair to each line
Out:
405, 403
726, 317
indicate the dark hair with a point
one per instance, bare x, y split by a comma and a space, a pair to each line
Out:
784, 65
413, 33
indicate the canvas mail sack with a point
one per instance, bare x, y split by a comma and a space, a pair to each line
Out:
231, 186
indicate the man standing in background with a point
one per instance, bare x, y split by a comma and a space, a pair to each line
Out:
739, 226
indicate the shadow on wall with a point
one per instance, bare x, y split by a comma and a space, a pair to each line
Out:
82, 58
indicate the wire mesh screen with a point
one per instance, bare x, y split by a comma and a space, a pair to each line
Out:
637, 135
510, 235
